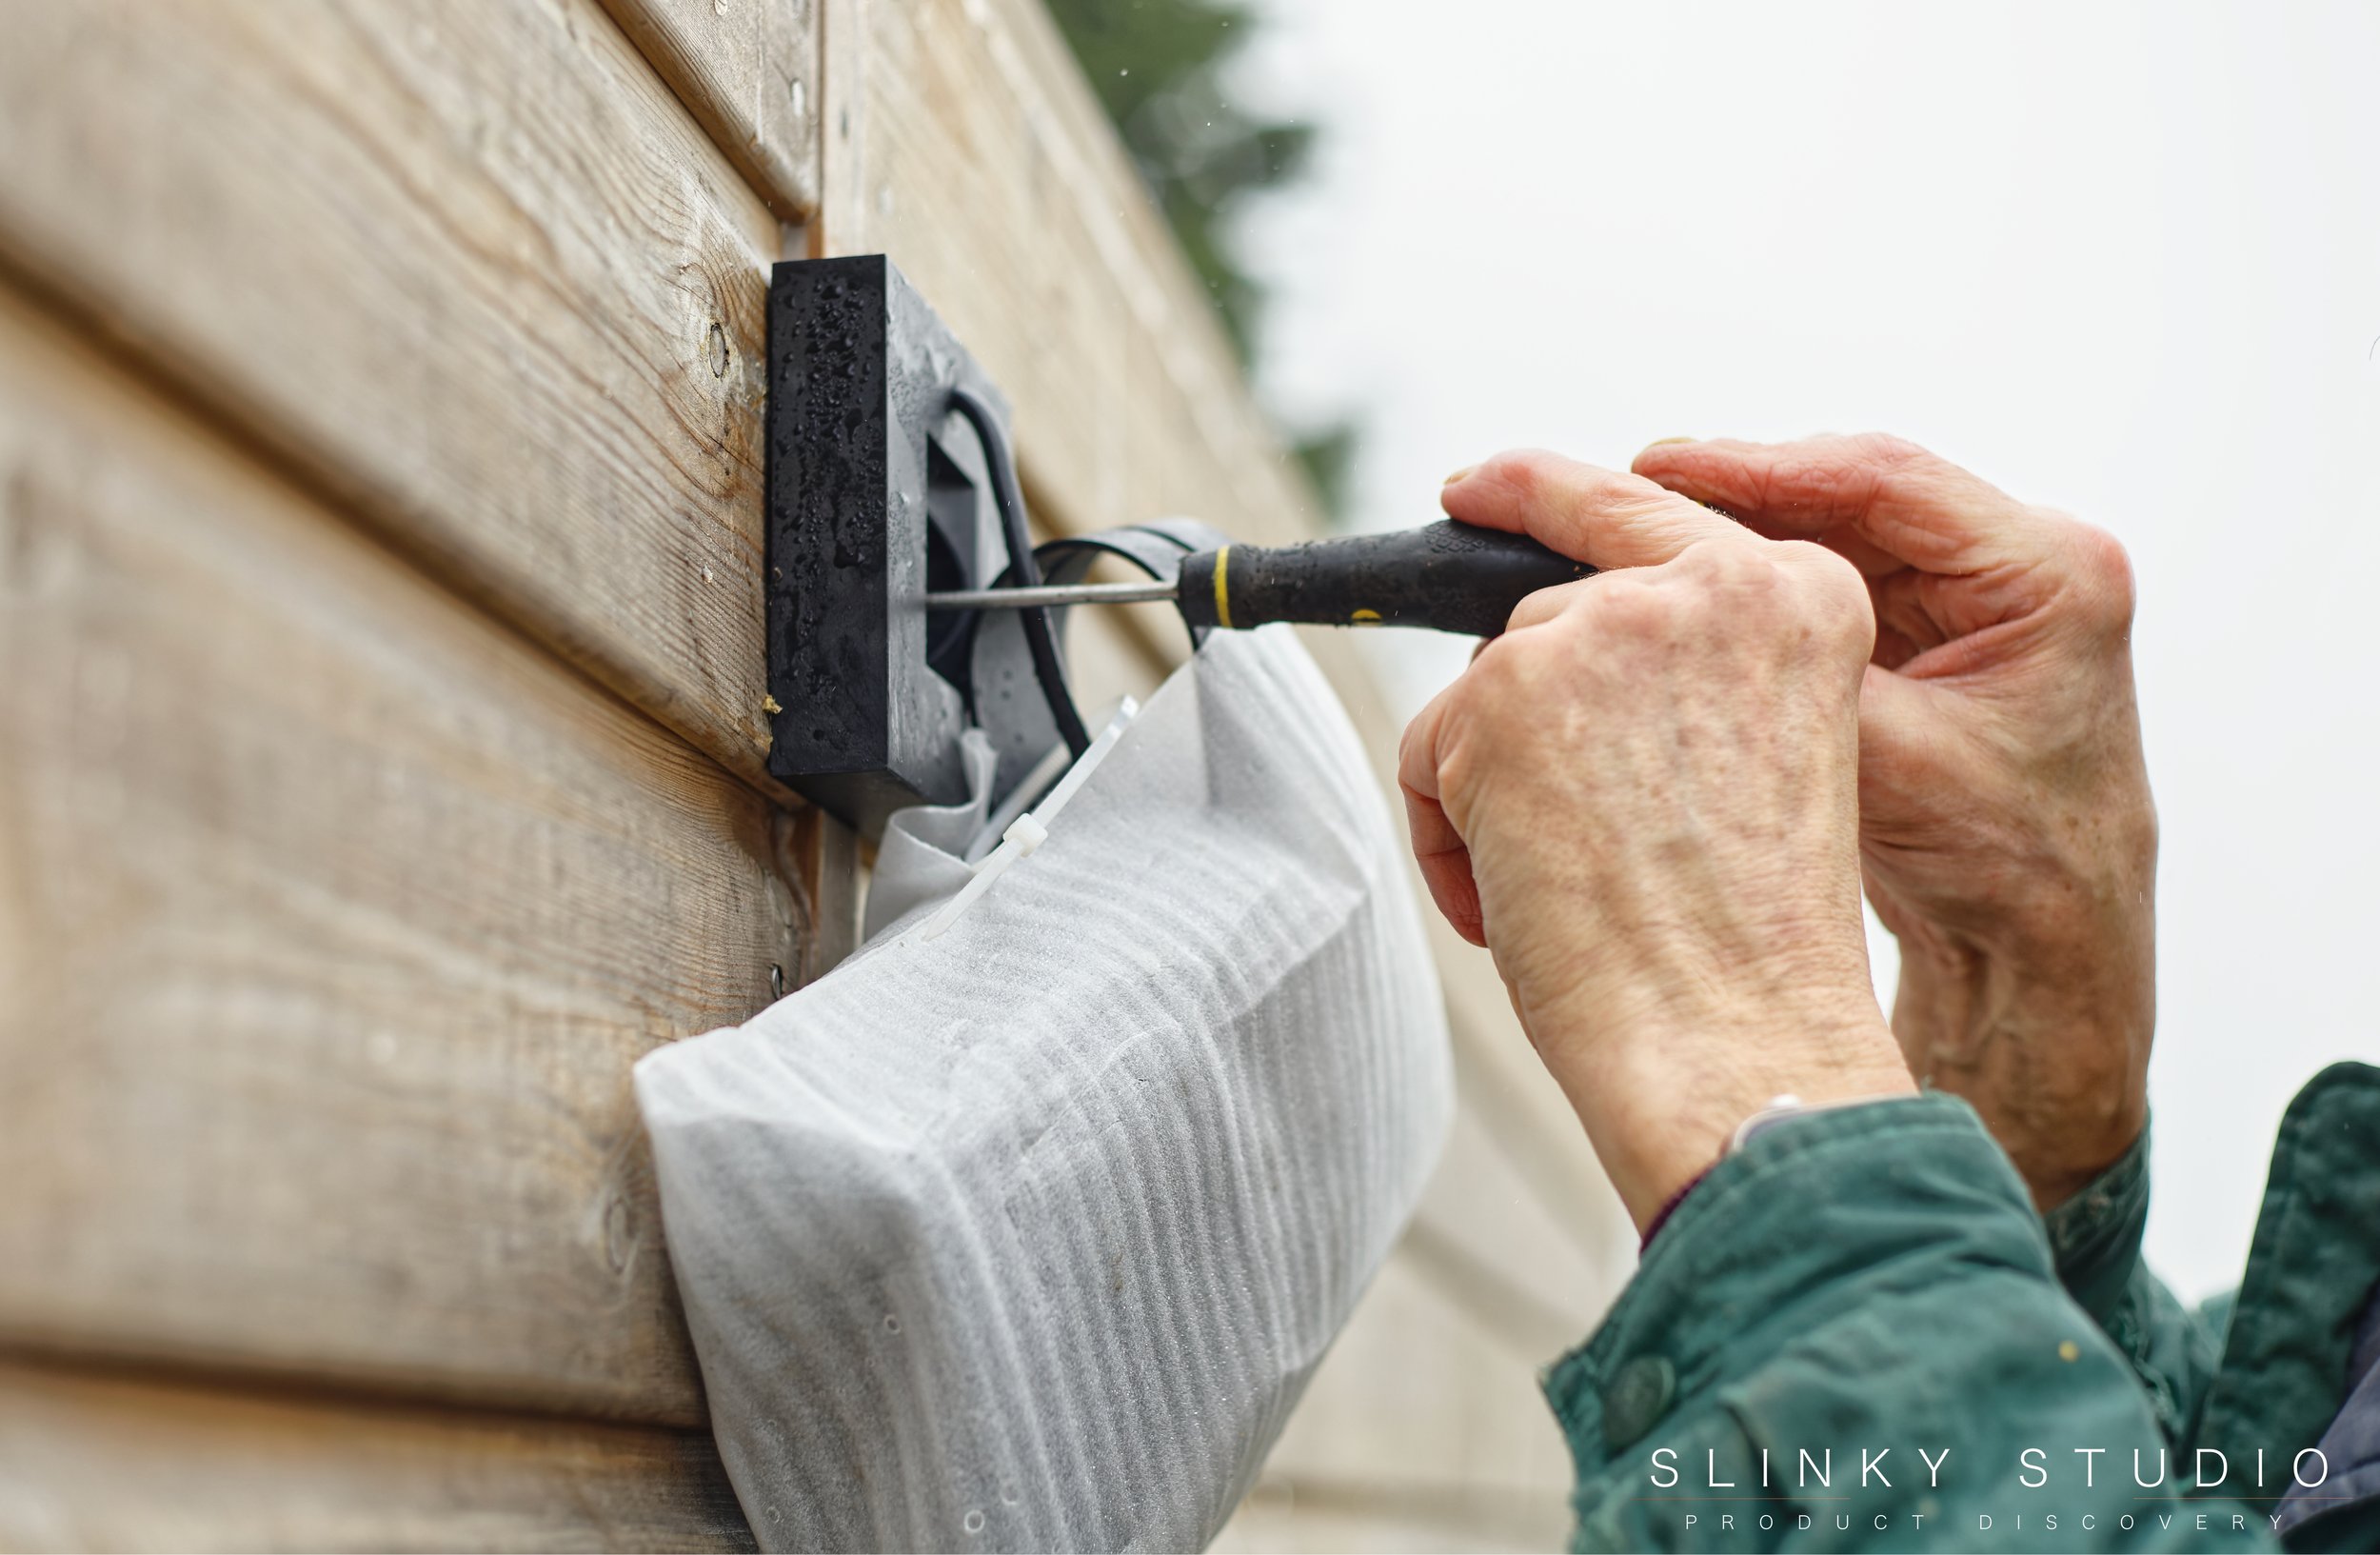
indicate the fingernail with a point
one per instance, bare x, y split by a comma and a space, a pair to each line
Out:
1663, 442
1460, 474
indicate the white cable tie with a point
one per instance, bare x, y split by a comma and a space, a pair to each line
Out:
1028, 833
1029, 830
1040, 781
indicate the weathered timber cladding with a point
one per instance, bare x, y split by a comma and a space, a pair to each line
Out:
468, 263
336, 916
101, 1461
382, 747
749, 73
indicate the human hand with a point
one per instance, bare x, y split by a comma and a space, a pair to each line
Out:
2006, 828
1643, 798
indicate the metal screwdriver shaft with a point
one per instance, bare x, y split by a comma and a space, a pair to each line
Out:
1054, 594
1443, 576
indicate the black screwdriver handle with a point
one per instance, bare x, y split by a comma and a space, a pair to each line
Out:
1445, 576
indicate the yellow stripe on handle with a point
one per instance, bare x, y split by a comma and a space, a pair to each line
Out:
1222, 589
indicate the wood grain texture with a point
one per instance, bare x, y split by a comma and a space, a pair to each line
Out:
337, 914
747, 69
342, 913
467, 264
107, 1460
829, 885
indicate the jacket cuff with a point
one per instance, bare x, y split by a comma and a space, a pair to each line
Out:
1796, 1214
2095, 1235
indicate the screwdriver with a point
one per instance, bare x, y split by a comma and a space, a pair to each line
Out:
1443, 576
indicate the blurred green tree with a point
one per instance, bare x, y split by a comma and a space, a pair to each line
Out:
1157, 66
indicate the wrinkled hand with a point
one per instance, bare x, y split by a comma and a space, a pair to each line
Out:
2006, 828
1643, 799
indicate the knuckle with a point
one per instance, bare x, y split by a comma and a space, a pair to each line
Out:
1629, 603
1825, 572
1418, 753
1521, 470
1733, 566
1457, 774
1505, 664
1885, 450
2102, 572
1830, 596
1745, 563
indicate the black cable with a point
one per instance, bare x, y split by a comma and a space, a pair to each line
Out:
1038, 636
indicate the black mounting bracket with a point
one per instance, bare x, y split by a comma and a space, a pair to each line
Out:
880, 491
876, 492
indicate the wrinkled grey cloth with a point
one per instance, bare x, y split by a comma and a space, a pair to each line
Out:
1029, 1236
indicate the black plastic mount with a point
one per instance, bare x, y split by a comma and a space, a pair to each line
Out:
876, 492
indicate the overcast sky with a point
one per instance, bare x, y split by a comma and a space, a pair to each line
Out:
2124, 261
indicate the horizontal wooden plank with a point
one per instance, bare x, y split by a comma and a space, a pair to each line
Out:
747, 69
101, 1460
335, 915
468, 263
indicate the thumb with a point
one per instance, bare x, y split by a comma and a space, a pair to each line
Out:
1909, 749
1603, 518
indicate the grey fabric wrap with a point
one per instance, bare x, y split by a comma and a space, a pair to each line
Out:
1029, 1236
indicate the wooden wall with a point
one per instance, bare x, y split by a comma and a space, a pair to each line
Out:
381, 745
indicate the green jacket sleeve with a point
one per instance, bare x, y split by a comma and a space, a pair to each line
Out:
2094, 1238
1853, 1335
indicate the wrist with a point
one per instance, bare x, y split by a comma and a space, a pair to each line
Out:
1660, 1106
2050, 1046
